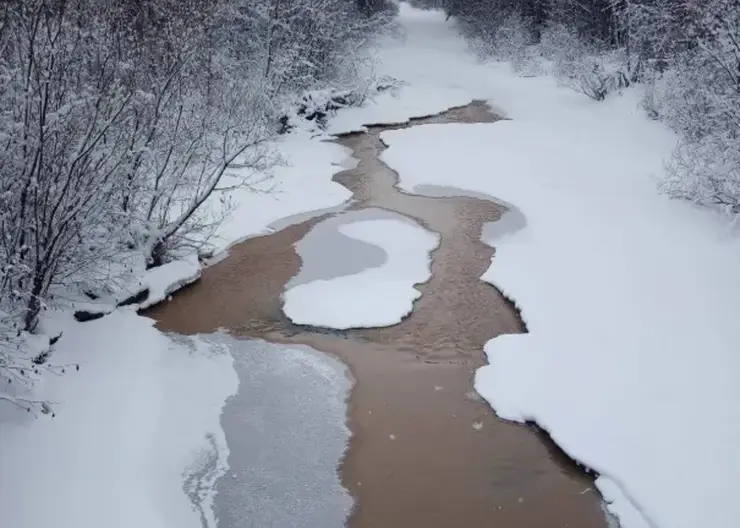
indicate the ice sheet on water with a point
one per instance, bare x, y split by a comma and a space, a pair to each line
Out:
286, 430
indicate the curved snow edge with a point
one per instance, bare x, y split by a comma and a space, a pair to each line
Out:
410, 104
168, 278
616, 497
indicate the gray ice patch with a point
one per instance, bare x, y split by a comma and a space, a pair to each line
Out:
287, 433
511, 221
326, 253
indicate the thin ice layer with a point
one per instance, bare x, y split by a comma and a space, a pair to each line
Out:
287, 434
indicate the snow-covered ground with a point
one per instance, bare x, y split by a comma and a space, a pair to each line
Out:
631, 300
139, 438
139, 418
299, 184
168, 278
360, 292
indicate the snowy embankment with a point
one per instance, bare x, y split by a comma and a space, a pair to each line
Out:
371, 296
398, 106
630, 299
166, 279
301, 183
129, 427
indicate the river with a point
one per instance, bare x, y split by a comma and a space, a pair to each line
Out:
425, 450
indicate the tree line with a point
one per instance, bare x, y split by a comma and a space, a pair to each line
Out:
119, 120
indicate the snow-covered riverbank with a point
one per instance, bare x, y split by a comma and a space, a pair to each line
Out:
631, 300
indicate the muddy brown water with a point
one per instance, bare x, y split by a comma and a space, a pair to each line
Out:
425, 450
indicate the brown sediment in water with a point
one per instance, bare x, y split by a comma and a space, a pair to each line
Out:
425, 450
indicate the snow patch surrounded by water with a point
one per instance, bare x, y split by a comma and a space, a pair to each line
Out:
374, 296
139, 419
287, 433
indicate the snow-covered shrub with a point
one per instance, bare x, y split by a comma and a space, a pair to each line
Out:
511, 38
699, 97
508, 38
482, 47
706, 171
514, 42
588, 69
66, 149
652, 100
530, 63
317, 106
599, 76
23, 359
559, 42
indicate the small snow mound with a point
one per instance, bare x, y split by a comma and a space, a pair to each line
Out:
380, 296
168, 278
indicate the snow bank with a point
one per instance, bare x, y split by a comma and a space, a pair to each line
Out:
378, 296
397, 107
631, 301
302, 183
168, 278
287, 433
139, 418
434, 71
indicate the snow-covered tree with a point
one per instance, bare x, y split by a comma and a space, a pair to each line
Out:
119, 120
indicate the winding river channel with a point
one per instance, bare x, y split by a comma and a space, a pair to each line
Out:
425, 450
